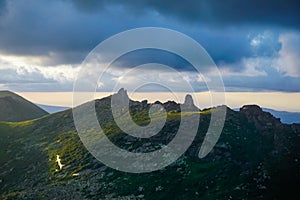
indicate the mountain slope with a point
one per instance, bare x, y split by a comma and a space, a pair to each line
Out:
14, 108
256, 157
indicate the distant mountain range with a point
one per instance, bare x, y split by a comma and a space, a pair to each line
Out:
52, 109
286, 117
256, 157
14, 108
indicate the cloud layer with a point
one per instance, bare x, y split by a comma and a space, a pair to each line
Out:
256, 44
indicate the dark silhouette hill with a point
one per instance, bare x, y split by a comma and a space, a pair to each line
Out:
14, 108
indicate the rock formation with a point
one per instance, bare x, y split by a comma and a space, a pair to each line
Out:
263, 121
189, 103
121, 98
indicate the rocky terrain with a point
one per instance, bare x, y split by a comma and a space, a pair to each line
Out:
256, 157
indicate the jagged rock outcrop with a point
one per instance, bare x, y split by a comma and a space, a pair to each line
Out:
157, 102
145, 104
263, 121
121, 98
171, 106
189, 103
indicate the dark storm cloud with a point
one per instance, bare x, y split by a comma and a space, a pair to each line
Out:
2, 6
224, 47
65, 30
229, 12
266, 83
31, 28
144, 56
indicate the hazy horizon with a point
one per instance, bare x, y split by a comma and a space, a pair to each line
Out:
274, 100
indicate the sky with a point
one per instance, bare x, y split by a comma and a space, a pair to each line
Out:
255, 44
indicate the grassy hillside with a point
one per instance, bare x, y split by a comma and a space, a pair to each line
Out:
252, 159
14, 108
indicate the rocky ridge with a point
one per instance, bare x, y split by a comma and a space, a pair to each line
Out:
252, 159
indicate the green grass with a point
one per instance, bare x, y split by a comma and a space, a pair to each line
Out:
29, 169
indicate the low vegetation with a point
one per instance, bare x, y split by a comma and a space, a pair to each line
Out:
251, 160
